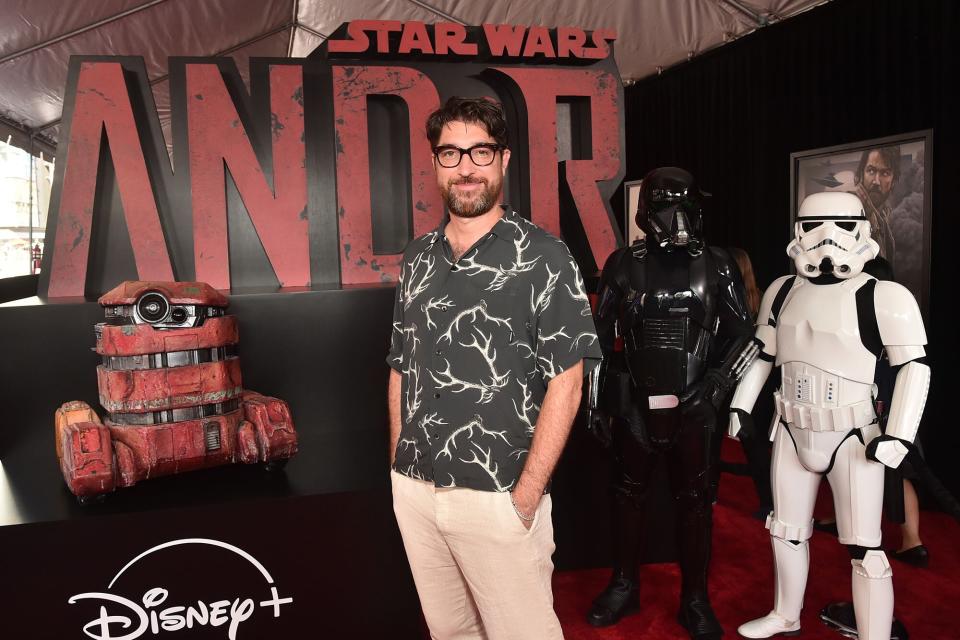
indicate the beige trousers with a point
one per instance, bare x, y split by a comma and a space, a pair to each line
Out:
479, 572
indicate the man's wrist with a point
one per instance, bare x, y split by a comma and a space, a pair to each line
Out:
519, 512
525, 495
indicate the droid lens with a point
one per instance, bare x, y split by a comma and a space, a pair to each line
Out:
153, 307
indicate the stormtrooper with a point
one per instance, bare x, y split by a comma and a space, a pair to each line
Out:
826, 328
679, 308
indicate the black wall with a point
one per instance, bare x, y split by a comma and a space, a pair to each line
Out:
323, 352
850, 70
18, 287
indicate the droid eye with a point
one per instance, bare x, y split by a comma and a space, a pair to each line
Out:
847, 226
153, 307
810, 226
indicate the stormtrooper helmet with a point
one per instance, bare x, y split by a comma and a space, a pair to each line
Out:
831, 236
670, 210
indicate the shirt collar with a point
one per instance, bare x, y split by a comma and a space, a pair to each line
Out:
505, 229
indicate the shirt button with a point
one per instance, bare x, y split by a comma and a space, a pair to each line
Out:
439, 353
436, 395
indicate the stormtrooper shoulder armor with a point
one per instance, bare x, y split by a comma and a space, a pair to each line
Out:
770, 306
899, 321
773, 299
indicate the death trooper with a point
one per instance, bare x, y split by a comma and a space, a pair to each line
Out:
825, 328
679, 307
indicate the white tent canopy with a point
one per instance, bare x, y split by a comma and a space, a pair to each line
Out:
37, 37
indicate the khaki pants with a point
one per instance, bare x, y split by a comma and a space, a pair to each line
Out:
479, 572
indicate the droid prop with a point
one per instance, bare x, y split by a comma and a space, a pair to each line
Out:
170, 383
826, 328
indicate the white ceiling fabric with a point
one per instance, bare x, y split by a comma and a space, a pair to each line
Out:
37, 37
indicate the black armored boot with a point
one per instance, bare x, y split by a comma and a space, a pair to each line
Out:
696, 616
620, 598
695, 527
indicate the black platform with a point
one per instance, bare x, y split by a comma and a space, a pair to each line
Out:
324, 525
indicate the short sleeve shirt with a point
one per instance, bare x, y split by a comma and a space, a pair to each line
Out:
477, 342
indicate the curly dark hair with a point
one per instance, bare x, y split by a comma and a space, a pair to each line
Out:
481, 111
890, 155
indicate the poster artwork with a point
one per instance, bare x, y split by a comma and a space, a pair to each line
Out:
891, 176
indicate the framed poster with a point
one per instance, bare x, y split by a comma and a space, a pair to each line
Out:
892, 177
631, 198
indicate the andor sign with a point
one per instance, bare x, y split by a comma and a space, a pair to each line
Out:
299, 157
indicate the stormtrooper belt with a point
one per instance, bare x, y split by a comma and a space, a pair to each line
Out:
851, 416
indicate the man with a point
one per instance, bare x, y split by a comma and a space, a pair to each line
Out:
877, 173
491, 326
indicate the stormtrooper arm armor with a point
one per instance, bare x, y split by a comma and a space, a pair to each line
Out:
751, 384
903, 335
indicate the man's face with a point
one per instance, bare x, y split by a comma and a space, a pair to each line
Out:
877, 178
470, 190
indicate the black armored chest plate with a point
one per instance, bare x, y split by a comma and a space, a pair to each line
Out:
668, 319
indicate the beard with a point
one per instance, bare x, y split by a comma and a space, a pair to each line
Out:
877, 196
473, 204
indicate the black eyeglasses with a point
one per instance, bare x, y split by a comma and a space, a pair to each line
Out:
481, 154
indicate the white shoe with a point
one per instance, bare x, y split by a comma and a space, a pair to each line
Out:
768, 626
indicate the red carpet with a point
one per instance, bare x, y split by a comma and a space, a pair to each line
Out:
741, 579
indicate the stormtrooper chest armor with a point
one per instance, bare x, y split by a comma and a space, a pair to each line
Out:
819, 346
669, 319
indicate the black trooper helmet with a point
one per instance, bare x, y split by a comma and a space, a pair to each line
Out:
669, 209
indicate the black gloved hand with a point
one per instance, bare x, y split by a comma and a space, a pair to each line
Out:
747, 429
715, 387
699, 410
701, 401
712, 389
887, 450
599, 425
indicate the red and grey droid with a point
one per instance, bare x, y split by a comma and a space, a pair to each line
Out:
170, 382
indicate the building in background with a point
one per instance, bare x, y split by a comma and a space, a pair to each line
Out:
24, 198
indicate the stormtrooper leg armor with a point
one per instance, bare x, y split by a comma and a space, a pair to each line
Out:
857, 485
791, 525
800, 456
826, 328
873, 595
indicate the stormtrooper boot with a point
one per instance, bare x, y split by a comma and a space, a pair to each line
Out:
791, 562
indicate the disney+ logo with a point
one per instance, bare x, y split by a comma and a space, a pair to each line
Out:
154, 614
